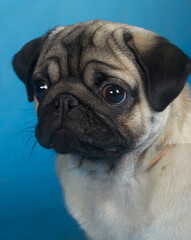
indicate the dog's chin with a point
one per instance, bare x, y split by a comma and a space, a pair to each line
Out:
64, 142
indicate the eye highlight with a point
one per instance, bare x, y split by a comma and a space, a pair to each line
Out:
114, 94
40, 88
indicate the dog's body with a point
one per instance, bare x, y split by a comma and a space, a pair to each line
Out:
110, 97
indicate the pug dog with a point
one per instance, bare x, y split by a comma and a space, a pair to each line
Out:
113, 102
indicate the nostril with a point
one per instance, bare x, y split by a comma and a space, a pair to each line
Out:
63, 103
73, 102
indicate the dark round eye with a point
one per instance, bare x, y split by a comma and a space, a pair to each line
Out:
40, 88
114, 94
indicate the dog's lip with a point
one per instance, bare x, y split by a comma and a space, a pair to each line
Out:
87, 144
97, 146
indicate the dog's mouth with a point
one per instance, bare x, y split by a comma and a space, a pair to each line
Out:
81, 131
63, 141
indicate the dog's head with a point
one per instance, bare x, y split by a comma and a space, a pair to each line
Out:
101, 89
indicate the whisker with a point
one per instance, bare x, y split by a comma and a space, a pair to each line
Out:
33, 147
29, 138
26, 130
26, 136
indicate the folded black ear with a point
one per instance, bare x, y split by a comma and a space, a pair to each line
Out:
25, 61
164, 66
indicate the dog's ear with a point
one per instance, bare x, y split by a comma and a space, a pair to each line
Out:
25, 61
165, 67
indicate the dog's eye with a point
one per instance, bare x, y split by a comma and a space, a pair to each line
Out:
114, 94
40, 88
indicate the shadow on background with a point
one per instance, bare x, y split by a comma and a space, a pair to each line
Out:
31, 205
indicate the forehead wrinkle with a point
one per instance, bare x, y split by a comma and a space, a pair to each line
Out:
72, 33
74, 49
97, 54
98, 57
81, 34
101, 33
53, 70
95, 65
75, 42
124, 76
54, 38
50, 38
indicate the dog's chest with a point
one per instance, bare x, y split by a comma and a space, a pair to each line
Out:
106, 209
116, 209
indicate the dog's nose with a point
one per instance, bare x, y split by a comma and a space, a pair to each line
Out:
64, 103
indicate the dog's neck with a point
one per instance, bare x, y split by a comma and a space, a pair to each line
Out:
169, 137
178, 121
152, 163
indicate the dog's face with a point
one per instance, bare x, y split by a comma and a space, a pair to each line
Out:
101, 89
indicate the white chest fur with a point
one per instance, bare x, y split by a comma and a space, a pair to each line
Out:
152, 206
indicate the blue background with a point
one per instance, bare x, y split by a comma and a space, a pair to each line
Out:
31, 205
